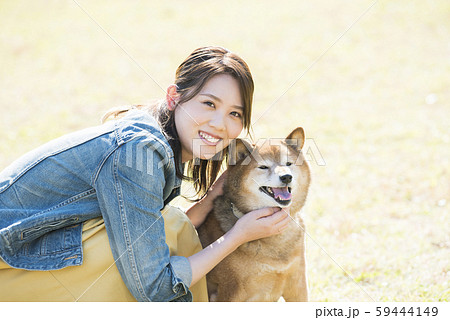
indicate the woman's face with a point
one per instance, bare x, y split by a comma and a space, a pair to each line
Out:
209, 121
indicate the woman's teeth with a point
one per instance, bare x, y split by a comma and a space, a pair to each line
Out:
208, 138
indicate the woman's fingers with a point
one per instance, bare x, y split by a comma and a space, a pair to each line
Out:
283, 224
275, 219
275, 215
262, 223
265, 212
217, 188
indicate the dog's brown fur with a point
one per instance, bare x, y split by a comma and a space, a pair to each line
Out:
268, 268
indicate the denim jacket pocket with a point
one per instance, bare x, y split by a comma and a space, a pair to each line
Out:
38, 231
54, 241
49, 228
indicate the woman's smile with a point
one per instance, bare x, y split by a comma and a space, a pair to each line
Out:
209, 138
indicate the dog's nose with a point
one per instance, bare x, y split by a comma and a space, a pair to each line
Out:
287, 178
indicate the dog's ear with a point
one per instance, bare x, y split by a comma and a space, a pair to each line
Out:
239, 149
296, 139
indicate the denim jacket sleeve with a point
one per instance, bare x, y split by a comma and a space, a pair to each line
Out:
131, 197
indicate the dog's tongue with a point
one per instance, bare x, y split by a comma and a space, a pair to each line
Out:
282, 193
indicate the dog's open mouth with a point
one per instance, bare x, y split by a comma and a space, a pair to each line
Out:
281, 195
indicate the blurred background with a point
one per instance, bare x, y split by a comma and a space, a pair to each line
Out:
367, 80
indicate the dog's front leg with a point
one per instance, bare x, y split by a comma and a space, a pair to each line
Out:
296, 289
231, 289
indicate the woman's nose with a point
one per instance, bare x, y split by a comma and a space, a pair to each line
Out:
217, 121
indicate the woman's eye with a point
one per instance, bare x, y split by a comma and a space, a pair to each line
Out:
209, 104
288, 164
263, 167
236, 114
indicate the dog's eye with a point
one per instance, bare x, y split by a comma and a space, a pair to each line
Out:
263, 167
288, 164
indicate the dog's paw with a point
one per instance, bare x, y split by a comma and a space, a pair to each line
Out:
213, 297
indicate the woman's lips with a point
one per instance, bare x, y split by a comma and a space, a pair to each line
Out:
209, 138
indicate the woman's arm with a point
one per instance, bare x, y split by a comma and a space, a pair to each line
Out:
253, 225
130, 201
198, 212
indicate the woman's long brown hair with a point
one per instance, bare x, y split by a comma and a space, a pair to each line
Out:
190, 77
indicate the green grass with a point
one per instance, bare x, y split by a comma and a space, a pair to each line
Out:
377, 206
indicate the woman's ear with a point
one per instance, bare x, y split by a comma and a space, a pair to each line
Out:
172, 97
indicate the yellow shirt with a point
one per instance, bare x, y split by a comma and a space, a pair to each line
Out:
97, 279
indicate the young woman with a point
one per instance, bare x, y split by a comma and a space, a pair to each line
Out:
126, 171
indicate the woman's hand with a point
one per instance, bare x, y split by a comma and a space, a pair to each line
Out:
253, 225
198, 212
217, 188
261, 223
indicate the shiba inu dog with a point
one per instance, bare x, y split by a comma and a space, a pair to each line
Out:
269, 175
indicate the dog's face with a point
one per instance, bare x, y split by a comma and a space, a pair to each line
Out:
271, 174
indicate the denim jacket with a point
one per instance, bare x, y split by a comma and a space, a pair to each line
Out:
123, 170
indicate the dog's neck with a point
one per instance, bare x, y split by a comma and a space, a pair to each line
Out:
237, 213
